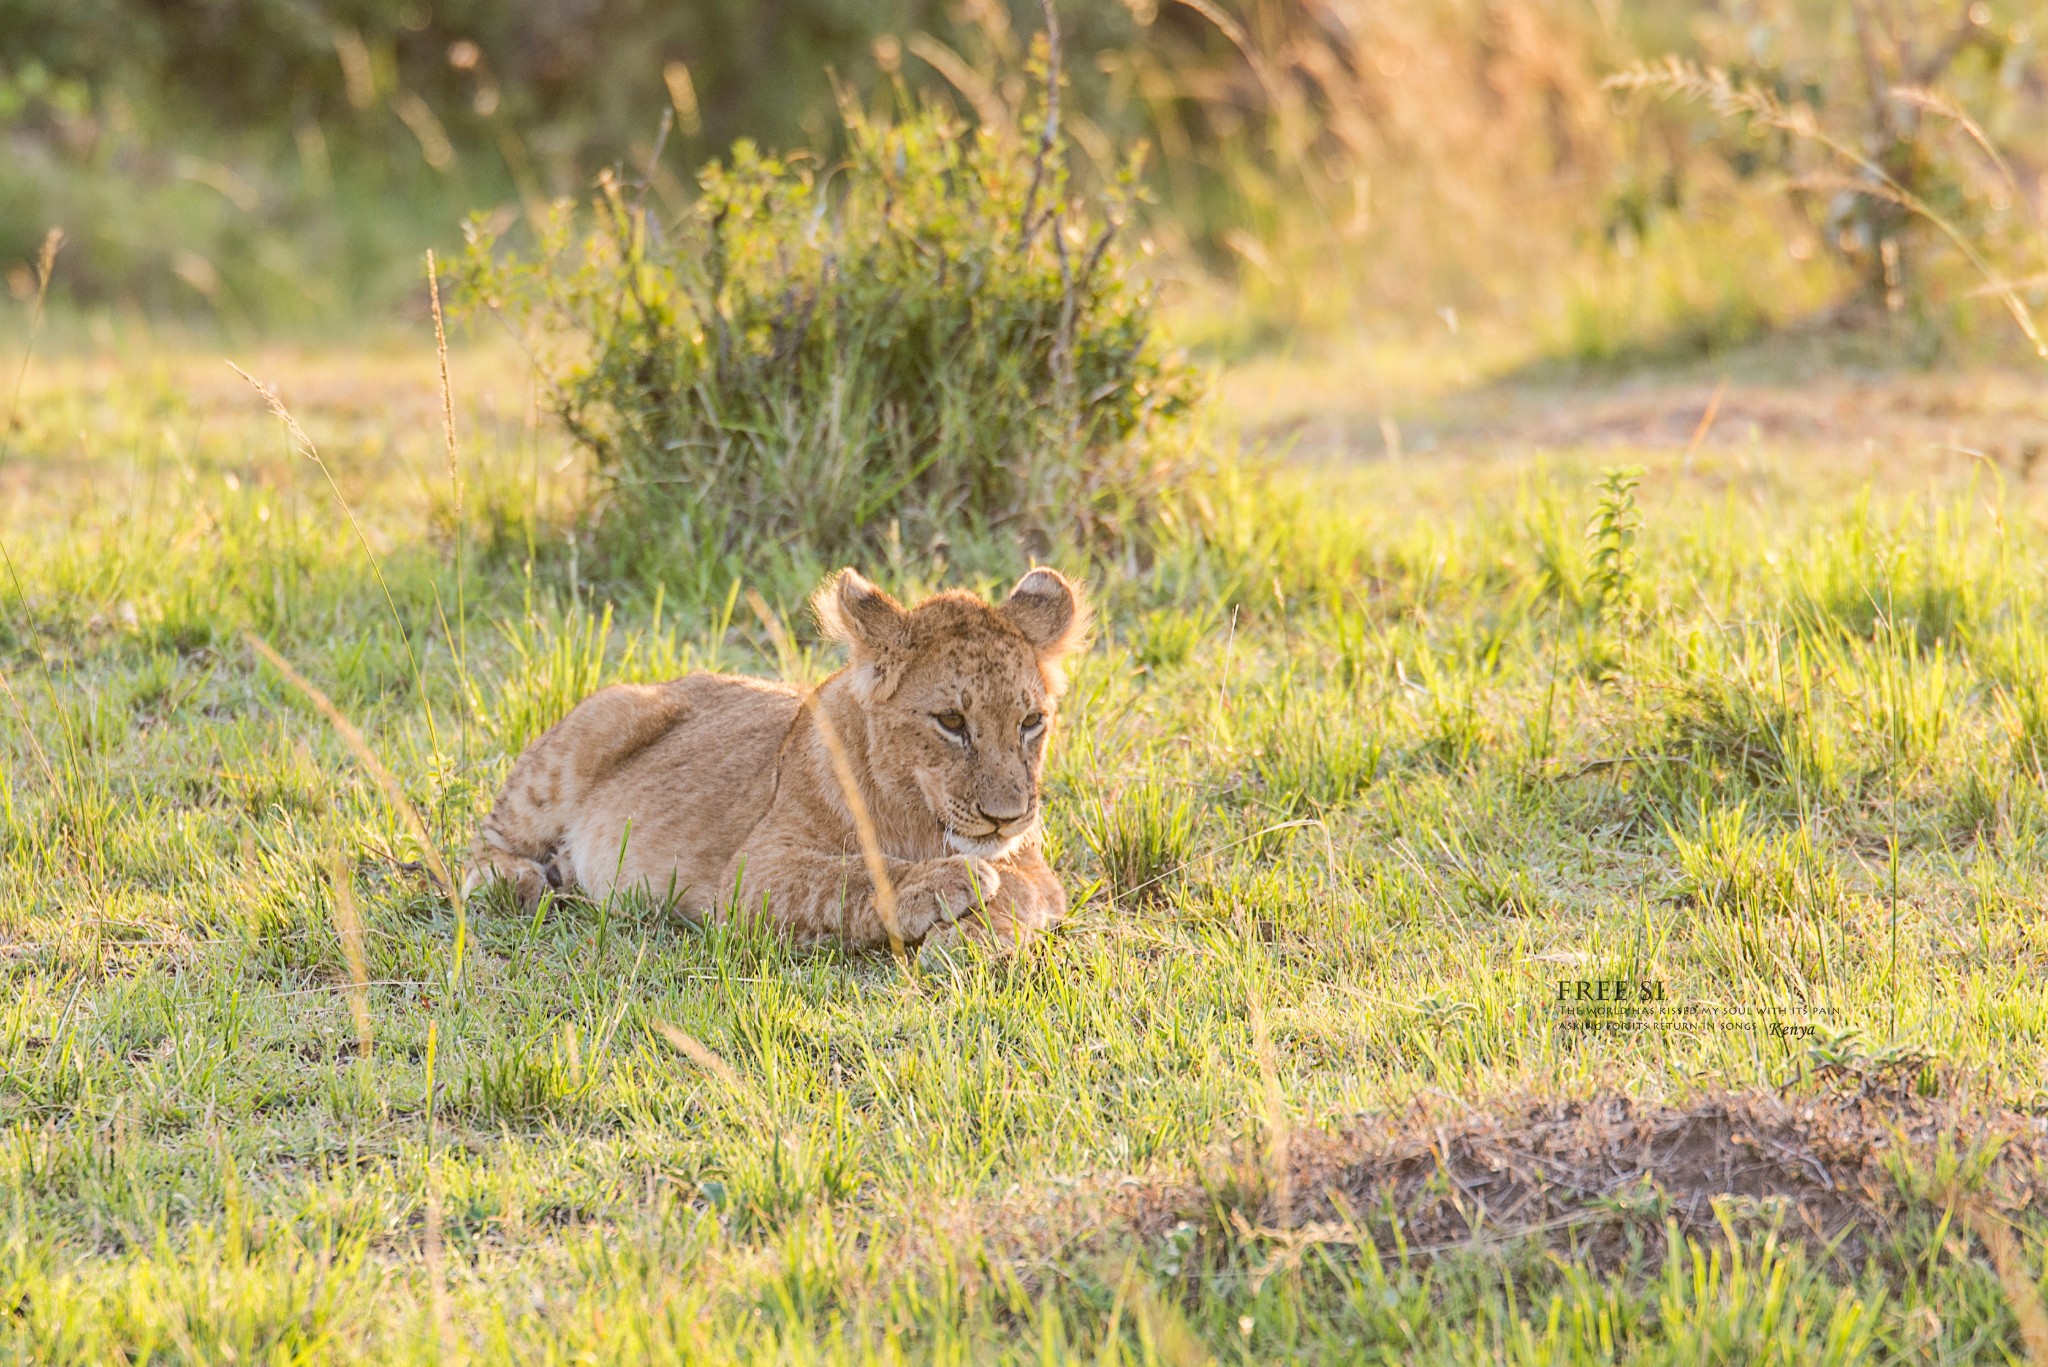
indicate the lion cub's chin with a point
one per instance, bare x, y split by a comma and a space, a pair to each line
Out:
990, 848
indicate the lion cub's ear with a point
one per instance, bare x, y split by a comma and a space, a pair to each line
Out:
1049, 609
856, 614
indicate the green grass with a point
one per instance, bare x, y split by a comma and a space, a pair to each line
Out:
1365, 764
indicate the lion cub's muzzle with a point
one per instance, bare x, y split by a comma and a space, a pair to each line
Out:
991, 835
1008, 825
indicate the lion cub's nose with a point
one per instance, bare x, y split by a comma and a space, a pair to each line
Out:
1002, 818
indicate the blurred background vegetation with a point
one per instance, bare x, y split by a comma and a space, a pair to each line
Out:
1315, 165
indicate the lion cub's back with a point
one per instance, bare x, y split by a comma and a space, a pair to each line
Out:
691, 764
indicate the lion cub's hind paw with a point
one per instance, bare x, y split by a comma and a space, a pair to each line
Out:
528, 880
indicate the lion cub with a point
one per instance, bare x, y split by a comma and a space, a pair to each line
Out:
711, 785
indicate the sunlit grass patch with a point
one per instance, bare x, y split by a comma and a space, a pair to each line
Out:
1370, 759
1143, 837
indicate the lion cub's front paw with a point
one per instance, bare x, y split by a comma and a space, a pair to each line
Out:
995, 936
976, 886
944, 891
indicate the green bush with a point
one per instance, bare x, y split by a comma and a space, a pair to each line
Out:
934, 342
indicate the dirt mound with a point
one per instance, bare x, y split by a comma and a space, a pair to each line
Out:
1832, 1169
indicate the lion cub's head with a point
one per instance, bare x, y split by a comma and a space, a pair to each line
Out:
960, 697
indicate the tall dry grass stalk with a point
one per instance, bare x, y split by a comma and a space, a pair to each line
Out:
1279, 1148
386, 783
46, 265
34, 744
348, 928
305, 446
849, 786
1467, 144
65, 786
1764, 109
437, 1272
2022, 1292
460, 638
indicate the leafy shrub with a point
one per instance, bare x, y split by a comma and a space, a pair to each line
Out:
935, 338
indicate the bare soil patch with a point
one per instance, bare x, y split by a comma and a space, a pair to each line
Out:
1936, 419
1836, 1170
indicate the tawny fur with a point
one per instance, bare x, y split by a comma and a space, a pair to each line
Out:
713, 792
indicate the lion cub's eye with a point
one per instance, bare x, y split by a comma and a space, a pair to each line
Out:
952, 722
1032, 721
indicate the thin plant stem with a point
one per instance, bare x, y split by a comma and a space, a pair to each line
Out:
372, 766
455, 490
297, 435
